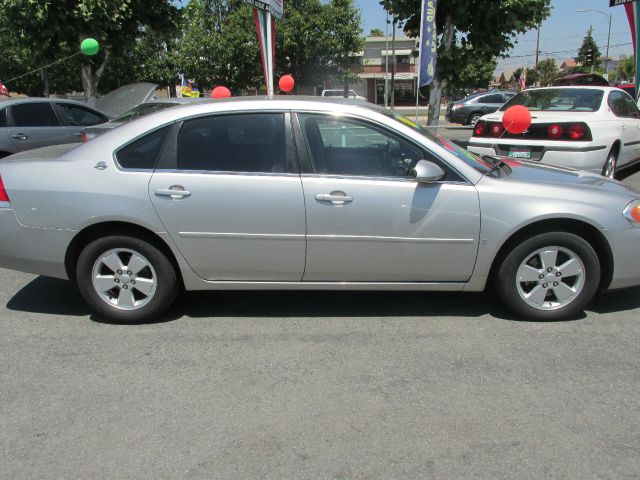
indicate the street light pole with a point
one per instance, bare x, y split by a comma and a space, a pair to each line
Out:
583, 10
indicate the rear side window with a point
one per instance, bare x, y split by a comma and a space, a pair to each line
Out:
491, 99
3, 117
79, 116
143, 153
248, 142
33, 115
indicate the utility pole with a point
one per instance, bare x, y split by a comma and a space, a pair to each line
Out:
393, 64
537, 49
386, 63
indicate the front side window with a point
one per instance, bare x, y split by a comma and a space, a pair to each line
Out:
79, 116
249, 142
143, 153
38, 114
346, 146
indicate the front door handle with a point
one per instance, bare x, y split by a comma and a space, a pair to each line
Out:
337, 198
176, 192
19, 136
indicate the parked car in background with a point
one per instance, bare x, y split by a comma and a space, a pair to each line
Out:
340, 93
630, 88
138, 111
308, 194
468, 110
27, 123
589, 128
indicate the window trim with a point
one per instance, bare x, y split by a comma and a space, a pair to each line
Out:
307, 167
168, 162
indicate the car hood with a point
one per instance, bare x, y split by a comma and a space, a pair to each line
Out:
562, 178
125, 98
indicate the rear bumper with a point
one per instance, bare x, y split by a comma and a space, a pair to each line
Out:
457, 116
33, 250
589, 157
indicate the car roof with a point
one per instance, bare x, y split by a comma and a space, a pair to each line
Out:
574, 87
16, 101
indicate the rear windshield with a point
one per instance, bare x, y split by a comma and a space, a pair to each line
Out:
142, 110
558, 99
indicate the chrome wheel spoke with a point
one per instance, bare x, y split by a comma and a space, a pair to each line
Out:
563, 292
537, 295
570, 268
126, 298
548, 258
113, 261
104, 283
136, 264
528, 274
144, 286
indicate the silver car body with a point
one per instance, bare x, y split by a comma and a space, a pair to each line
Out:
304, 230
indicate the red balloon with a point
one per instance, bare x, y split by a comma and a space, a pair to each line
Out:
221, 92
286, 83
516, 119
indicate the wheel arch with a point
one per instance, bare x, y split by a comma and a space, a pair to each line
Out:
97, 230
585, 230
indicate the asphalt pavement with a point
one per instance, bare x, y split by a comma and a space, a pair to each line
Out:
320, 385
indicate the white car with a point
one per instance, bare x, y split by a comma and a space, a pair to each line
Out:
340, 93
589, 128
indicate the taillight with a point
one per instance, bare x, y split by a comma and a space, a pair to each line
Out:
497, 129
480, 129
84, 137
576, 131
555, 131
457, 106
3, 193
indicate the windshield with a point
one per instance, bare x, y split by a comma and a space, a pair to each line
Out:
558, 100
142, 110
482, 164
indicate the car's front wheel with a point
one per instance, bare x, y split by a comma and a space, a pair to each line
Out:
551, 276
126, 279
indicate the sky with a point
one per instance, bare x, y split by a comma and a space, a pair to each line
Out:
561, 34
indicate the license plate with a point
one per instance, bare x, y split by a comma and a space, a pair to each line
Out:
520, 153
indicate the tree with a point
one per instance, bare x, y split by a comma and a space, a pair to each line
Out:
376, 32
588, 54
547, 71
55, 29
478, 29
627, 67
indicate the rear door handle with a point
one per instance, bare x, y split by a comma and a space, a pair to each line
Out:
334, 197
173, 192
19, 136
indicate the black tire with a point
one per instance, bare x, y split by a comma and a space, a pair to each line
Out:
512, 286
158, 272
610, 167
473, 119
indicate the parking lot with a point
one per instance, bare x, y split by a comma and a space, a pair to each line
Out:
317, 385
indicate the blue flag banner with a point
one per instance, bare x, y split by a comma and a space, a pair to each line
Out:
428, 43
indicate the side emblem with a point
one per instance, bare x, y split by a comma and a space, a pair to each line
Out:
100, 166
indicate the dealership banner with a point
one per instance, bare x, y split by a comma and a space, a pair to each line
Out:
428, 43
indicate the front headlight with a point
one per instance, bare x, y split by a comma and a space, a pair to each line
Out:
632, 213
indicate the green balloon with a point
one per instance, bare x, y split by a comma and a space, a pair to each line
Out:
89, 46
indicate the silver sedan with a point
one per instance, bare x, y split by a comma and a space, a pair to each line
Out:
300, 193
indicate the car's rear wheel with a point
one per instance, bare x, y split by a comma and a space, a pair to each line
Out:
611, 164
551, 276
473, 119
126, 279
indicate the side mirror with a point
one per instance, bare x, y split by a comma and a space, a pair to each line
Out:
427, 172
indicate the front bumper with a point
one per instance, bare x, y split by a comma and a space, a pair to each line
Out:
33, 250
589, 157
